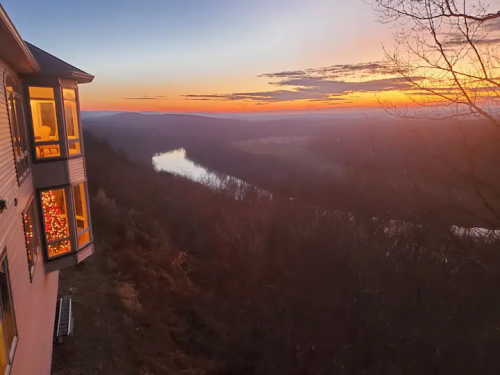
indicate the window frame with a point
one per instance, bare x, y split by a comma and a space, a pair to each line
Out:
14, 100
32, 209
12, 352
60, 128
71, 220
87, 208
57, 84
78, 118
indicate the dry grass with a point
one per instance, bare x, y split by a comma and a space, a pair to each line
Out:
103, 337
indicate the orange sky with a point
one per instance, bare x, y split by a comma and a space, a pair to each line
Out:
180, 105
217, 52
275, 36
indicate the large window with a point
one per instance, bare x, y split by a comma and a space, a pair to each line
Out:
32, 236
43, 112
82, 218
18, 129
7, 320
55, 220
71, 120
66, 219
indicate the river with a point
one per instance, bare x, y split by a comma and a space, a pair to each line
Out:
178, 163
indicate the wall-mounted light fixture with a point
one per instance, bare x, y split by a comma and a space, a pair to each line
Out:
3, 205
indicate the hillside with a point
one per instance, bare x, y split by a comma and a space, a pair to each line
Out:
404, 170
188, 280
141, 136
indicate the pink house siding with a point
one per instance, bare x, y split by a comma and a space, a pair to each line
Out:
76, 169
34, 302
8, 182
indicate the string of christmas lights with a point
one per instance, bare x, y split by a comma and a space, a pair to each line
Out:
28, 232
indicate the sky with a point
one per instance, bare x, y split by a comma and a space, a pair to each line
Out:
214, 55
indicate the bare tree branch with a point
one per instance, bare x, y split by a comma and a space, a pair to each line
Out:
446, 54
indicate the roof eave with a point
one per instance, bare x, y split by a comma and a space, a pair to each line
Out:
82, 77
29, 65
78, 77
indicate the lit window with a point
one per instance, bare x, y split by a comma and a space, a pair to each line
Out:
55, 222
43, 112
71, 120
18, 129
82, 221
7, 320
32, 236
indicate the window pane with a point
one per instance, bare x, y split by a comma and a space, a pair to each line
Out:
31, 234
81, 214
3, 353
59, 248
83, 239
11, 85
8, 321
74, 148
54, 214
55, 221
71, 118
18, 128
21, 127
43, 112
14, 129
47, 151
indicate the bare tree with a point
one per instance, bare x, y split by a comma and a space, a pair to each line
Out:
448, 54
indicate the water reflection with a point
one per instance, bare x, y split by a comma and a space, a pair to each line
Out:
178, 163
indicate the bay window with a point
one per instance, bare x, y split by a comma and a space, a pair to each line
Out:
8, 331
59, 175
71, 120
44, 119
56, 123
18, 129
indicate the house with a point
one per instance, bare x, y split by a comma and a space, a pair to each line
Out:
44, 208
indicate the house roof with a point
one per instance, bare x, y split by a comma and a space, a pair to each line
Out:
12, 48
53, 66
24, 57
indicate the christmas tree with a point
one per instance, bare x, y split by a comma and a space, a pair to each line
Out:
55, 224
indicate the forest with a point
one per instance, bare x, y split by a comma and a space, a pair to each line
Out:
187, 279
403, 170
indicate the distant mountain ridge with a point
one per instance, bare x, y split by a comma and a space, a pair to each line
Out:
139, 119
93, 114
330, 113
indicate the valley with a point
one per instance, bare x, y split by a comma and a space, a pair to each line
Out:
191, 280
403, 171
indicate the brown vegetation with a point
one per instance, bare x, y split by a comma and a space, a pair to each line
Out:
398, 169
190, 280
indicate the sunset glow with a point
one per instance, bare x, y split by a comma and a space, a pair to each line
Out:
219, 56
181, 105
